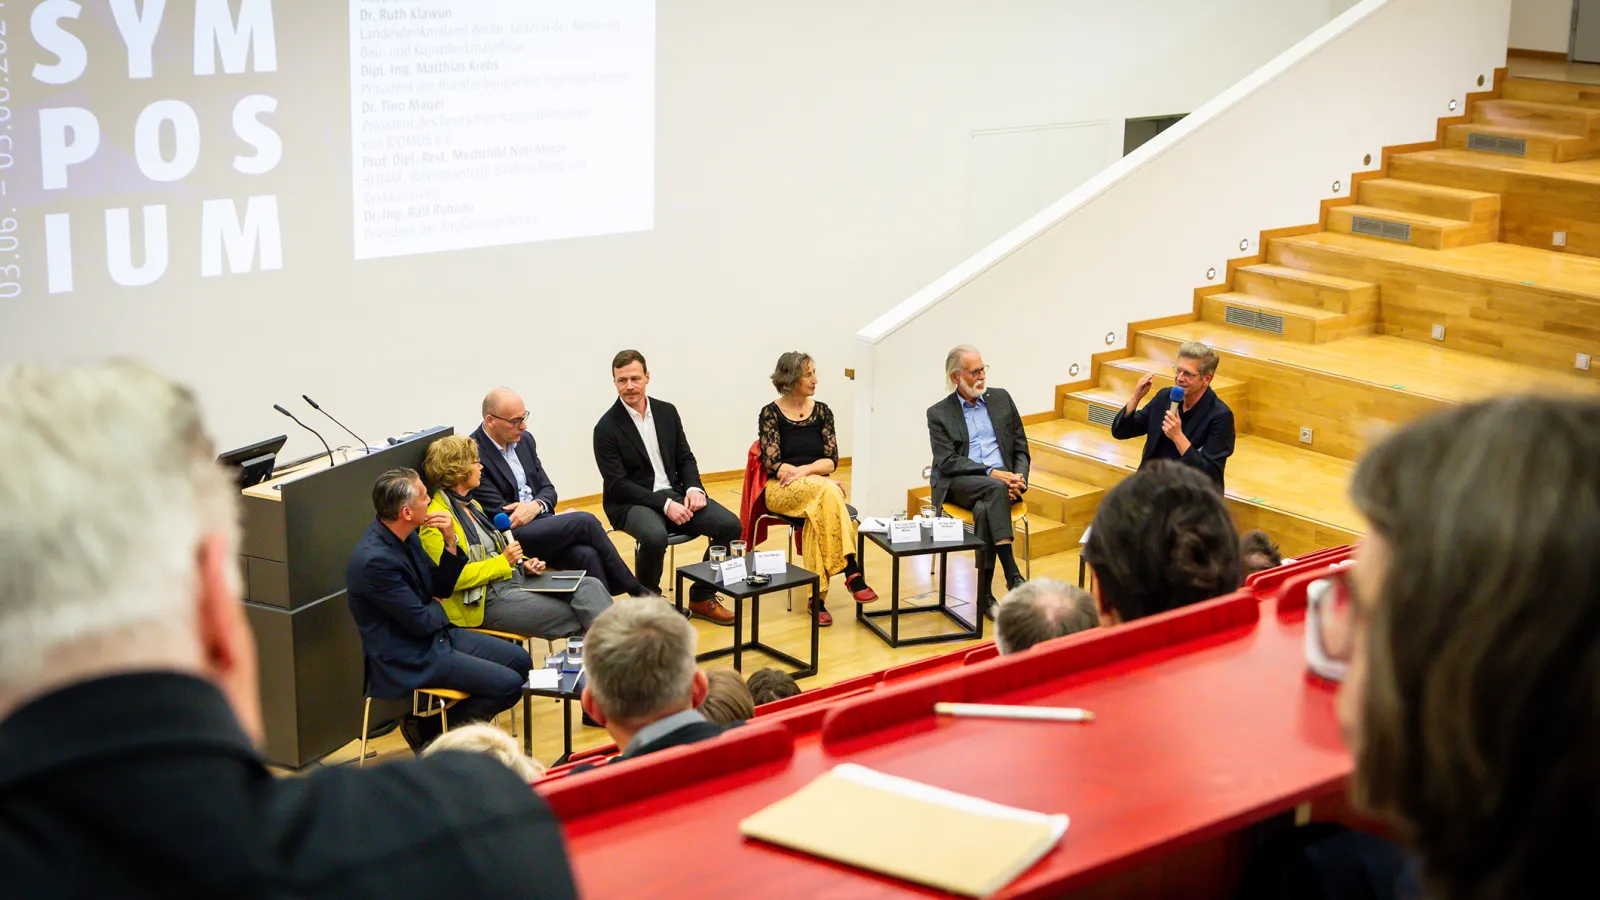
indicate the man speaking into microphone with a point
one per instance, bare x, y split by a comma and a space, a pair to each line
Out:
1188, 423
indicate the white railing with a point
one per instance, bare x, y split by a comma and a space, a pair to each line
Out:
1134, 241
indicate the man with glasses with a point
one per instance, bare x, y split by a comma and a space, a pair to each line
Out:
1200, 434
514, 482
980, 462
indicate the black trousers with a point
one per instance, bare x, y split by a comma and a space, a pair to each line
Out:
650, 527
577, 540
990, 504
492, 670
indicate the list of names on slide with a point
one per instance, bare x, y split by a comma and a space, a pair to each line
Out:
478, 123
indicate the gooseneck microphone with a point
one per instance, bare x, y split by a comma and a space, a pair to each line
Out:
347, 430
1177, 399
325, 446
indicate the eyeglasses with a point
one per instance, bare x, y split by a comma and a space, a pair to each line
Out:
1331, 624
1184, 373
521, 420
979, 372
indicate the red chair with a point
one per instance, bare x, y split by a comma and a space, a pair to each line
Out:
755, 518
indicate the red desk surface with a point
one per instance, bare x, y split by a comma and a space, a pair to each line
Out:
1190, 741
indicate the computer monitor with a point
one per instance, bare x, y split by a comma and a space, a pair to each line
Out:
254, 462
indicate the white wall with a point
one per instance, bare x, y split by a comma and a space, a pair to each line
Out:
1541, 24
814, 167
1134, 241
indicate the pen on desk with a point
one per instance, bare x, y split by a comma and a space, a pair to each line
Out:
996, 711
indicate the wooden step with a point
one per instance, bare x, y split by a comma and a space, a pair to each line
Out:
1309, 324
1550, 146
1577, 121
1064, 500
1430, 199
1431, 232
1095, 406
1330, 292
1563, 92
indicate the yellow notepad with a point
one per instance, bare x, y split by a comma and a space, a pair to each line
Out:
909, 830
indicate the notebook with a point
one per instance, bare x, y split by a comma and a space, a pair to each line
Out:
553, 582
906, 829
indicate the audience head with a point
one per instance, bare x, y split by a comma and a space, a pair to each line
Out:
1161, 539
727, 698
400, 500
639, 655
481, 737
1257, 553
631, 375
965, 372
452, 464
795, 374
505, 416
1196, 366
121, 559
769, 684
1472, 695
1038, 610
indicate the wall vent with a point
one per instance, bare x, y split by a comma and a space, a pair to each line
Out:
1102, 415
1494, 143
1380, 228
1252, 318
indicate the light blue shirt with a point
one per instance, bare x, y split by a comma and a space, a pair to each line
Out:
982, 446
524, 493
662, 727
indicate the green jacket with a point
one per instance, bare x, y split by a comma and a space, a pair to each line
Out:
475, 574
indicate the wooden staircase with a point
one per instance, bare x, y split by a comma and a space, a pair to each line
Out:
1332, 335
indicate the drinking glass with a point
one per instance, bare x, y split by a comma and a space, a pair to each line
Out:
719, 553
736, 549
927, 515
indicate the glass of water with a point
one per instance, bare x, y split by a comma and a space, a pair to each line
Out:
736, 549
719, 553
927, 515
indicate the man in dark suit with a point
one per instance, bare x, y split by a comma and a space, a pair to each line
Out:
514, 482
652, 483
130, 708
643, 685
1201, 435
980, 462
408, 640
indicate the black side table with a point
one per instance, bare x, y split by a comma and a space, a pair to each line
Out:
925, 547
567, 690
792, 577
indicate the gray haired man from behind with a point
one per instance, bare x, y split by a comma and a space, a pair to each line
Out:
129, 705
1042, 609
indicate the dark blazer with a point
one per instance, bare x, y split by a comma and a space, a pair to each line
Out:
687, 734
499, 487
947, 432
144, 785
628, 478
1208, 426
391, 587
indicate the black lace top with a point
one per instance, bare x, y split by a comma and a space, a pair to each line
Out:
796, 443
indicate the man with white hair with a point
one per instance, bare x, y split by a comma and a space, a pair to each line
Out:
1040, 610
643, 685
980, 462
129, 706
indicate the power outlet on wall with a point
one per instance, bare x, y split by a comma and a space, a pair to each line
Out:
1305, 435
1582, 361
1559, 239
1438, 332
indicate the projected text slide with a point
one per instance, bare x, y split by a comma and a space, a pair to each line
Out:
478, 123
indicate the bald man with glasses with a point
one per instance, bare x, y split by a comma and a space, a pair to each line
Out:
514, 482
1201, 434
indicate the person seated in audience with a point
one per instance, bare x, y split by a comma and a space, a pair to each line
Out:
643, 686
514, 482
490, 741
728, 700
1161, 539
799, 450
1470, 623
769, 684
1038, 610
980, 462
405, 633
489, 592
1201, 434
651, 482
130, 709
1257, 553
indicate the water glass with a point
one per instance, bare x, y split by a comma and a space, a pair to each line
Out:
736, 549
927, 515
718, 554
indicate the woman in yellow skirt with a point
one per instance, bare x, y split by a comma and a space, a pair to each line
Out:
799, 450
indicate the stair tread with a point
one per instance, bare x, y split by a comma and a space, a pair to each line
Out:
1289, 272
1102, 395
1146, 364
1435, 189
1398, 215
1061, 485
1496, 262
1580, 171
1541, 106
1512, 132
1278, 306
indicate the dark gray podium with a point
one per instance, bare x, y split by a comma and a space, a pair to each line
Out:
299, 530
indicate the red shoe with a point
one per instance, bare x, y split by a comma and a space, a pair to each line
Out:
824, 618
863, 594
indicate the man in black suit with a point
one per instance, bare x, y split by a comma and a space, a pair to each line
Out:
408, 640
1201, 435
514, 482
643, 685
980, 462
652, 483
129, 703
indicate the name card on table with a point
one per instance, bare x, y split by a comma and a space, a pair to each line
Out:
771, 562
948, 530
904, 531
732, 571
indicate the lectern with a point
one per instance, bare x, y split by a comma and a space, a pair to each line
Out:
299, 530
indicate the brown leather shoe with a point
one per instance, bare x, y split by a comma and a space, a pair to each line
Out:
824, 618
711, 610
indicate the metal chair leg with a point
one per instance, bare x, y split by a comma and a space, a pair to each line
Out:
366, 721
1027, 535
